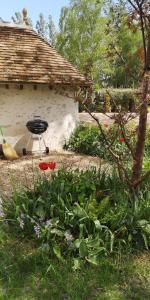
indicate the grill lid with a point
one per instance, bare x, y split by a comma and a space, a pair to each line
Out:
37, 126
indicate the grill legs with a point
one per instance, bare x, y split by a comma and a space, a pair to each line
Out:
40, 138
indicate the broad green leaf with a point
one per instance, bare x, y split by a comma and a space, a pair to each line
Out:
144, 224
145, 241
76, 264
93, 260
79, 211
57, 251
57, 232
77, 243
103, 204
97, 224
93, 243
40, 212
81, 231
83, 250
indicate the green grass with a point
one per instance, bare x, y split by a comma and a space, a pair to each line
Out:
27, 274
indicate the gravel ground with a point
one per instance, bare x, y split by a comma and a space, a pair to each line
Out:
85, 117
25, 170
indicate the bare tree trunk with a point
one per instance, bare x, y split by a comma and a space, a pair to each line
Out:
139, 151
147, 66
140, 145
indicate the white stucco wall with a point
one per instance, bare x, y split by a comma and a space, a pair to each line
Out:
19, 106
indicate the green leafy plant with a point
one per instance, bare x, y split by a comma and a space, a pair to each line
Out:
87, 139
83, 214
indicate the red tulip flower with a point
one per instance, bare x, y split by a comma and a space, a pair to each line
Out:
121, 140
43, 166
52, 165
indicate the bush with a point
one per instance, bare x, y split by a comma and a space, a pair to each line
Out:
126, 99
87, 139
81, 214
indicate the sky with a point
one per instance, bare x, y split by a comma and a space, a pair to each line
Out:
34, 7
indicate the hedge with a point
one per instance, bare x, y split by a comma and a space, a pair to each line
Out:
104, 101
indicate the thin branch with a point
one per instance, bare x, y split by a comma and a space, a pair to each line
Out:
108, 148
132, 4
143, 33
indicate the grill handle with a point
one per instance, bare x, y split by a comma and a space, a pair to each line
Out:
37, 117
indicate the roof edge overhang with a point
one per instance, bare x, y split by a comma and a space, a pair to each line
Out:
67, 84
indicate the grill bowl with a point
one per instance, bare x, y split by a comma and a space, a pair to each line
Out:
37, 126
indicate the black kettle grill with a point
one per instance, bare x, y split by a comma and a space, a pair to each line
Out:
37, 127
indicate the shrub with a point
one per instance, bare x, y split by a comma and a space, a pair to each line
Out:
87, 139
82, 214
126, 99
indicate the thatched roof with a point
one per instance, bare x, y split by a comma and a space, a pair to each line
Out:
27, 58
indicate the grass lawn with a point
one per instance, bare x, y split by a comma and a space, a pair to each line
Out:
26, 274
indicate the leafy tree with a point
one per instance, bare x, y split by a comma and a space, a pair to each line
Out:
82, 39
125, 47
52, 33
41, 27
46, 29
91, 36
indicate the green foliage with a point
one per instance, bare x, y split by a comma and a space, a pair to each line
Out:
82, 39
125, 48
101, 45
83, 214
26, 272
125, 99
46, 29
87, 139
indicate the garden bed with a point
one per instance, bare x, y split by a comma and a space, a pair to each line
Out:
25, 169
